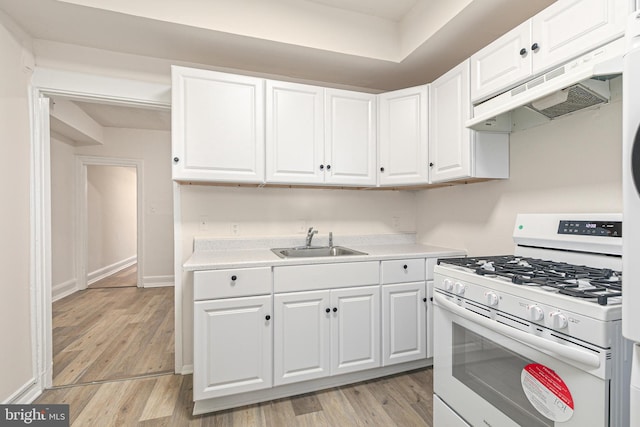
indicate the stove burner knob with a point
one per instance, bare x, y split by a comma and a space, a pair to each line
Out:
558, 320
459, 290
536, 313
448, 285
492, 298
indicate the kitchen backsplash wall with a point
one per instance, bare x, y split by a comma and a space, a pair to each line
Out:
571, 164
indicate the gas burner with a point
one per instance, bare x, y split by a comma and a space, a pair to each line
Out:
596, 284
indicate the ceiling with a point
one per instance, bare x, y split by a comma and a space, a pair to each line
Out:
373, 45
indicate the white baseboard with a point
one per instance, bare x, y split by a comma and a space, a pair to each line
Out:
186, 370
157, 281
25, 394
64, 289
107, 271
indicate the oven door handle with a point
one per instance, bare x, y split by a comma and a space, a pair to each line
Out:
533, 341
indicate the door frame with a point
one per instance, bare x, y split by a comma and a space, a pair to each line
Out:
89, 87
82, 214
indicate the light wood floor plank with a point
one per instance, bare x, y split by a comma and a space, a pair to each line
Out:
163, 397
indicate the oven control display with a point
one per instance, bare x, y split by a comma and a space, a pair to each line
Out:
591, 228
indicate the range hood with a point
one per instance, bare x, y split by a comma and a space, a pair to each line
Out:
578, 84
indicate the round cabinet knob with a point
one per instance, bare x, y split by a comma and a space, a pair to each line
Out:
492, 298
176, 159
328, 167
321, 167
405, 266
267, 317
536, 313
381, 169
335, 309
424, 299
234, 278
535, 47
523, 52
459, 288
431, 164
448, 285
328, 310
558, 320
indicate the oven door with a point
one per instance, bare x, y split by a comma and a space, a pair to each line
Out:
490, 379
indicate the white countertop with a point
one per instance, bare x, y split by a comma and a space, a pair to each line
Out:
239, 254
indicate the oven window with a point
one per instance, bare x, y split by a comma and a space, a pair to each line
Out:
493, 372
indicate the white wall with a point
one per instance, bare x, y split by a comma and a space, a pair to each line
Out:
572, 164
63, 265
111, 217
16, 370
281, 212
154, 148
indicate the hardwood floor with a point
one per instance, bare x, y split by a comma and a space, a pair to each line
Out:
124, 278
112, 333
400, 400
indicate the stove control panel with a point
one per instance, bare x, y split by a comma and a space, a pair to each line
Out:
591, 228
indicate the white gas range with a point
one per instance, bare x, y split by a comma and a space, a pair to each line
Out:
534, 338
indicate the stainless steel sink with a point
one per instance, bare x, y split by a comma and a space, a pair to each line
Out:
315, 251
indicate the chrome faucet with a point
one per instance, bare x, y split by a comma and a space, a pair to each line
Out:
310, 234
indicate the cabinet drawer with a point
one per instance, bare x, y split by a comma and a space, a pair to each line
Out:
323, 276
231, 283
403, 270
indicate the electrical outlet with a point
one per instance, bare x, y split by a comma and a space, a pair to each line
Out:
235, 229
204, 223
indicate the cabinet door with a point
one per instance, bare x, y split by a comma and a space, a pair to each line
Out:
502, 64
217, 126
403, 323
449, 139
350, 137
404, 153
232, 346
294, 137
355, 329
430, 318
302, 338
569, 28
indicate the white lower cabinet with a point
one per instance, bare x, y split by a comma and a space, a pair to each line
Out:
302, 336
326, 332
232, 346
404, 336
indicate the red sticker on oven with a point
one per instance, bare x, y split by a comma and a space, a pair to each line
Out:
547, 392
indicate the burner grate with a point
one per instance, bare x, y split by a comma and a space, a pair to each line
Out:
595, 284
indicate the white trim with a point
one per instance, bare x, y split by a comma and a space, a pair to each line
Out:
112, 269
63, 289
25, 394
178, 273
186, 370
157, 281
108, 90
81, 213
78, 86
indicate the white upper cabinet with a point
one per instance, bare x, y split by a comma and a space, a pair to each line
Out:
350, 137
403, 145
505, 61
562, 31
217, 126
568, 28
456, 152
450, 107
319, 136
295, 133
